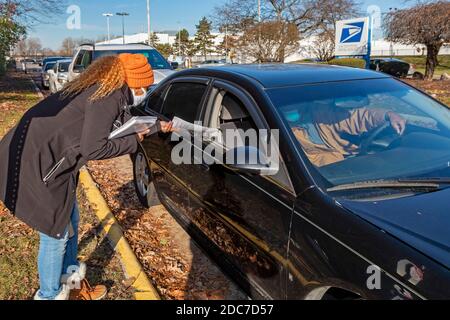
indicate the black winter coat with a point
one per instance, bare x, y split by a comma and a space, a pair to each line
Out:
41, 157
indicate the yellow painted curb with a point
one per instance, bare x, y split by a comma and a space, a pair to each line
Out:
133, 269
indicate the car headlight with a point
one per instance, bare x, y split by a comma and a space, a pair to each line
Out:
46, 76
62, 80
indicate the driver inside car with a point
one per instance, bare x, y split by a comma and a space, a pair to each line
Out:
324, 129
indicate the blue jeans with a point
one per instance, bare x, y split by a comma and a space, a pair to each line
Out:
56, 256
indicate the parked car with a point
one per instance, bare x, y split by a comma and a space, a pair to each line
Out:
88, 53
373, 225
58, 75
45, 76
394, 67
212, 63
53, 59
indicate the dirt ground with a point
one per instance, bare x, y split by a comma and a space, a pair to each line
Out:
177, 266
440, 90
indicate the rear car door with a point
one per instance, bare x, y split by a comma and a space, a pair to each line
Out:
243, 219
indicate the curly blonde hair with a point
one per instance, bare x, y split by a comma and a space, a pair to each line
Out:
107, 71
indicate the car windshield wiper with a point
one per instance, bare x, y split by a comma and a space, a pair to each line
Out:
425, 184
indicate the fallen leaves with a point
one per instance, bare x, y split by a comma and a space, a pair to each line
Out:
178, 273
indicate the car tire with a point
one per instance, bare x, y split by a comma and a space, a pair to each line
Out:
143, 184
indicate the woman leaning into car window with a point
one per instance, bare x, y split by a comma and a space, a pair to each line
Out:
41, 157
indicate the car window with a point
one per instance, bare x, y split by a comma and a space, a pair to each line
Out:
155, 59
79, 58
184, 100
64, 67
233, 120
367, 130
49, 66
87, 59
156, 99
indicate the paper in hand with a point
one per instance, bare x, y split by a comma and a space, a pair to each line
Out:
206, 132
136, 125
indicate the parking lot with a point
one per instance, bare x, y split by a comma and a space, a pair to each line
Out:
250, 151
178, 268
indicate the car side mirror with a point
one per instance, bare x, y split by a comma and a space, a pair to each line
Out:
249, 160
174, 65
78, 68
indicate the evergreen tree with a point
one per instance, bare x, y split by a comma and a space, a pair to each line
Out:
182, 43
154, 40
203, 38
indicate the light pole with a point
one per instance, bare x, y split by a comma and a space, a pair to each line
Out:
259, 11
226, 41
108, 15
259, 28
149, 31
179, 38
123, 15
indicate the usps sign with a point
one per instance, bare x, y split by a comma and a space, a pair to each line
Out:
352, 37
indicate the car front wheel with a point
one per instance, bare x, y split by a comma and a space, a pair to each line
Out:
143, 183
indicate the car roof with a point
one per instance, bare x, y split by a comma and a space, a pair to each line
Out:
108, 47
283, 75
64, 61
389, 59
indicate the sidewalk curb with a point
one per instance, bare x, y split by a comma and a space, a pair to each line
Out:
36, 88
132, 267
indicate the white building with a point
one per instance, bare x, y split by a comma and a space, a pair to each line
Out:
379, 47
163, 38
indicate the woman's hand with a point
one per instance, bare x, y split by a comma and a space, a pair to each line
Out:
166, 127
141, 135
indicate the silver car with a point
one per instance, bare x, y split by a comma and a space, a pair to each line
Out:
45, 76
86, 54
58, 75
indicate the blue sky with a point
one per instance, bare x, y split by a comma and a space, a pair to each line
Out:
166, 15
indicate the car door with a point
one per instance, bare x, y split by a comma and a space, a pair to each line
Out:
53, 77
243, 219
183, 98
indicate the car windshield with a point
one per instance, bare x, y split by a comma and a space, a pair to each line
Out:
367, 130
155, 59
64, 67
49, 65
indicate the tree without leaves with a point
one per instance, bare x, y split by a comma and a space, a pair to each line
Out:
228, 46
30, 12
270, 41
311, 17
203, 38
69, 45
34, 46
425, 24
322, 47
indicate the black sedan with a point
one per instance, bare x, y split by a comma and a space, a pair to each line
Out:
356, 207
394, 67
